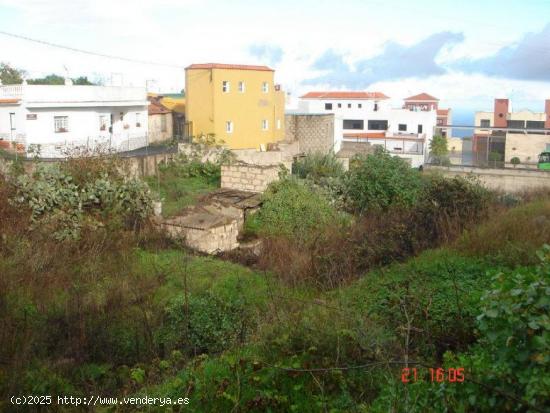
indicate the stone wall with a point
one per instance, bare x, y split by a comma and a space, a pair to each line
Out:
315, 133
507, 180
251, 178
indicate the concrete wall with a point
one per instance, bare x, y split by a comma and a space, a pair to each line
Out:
156, 132
251, 178
208, 240
507, 180
526, 147
315, 133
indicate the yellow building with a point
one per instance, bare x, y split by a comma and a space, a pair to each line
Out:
236, 103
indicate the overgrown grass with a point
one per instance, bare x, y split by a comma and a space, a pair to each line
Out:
179, 192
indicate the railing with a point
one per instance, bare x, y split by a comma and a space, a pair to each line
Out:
64, 93
11, 92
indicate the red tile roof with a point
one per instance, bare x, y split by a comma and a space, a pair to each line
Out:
228, 66
344, 95
155, 107
442, 112
422, 96
6, 101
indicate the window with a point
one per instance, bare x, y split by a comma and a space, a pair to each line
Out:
378, 125
419, 129
229, 126
328, 106
516, 124
278, 123
103, 122
241, 87
359, 105
353, 124
485, 123
349, 105
440, 121
12, 120
265, 124
402, 127
265, 87
226, 86
138, 119
163, 125
376, 107
122, 116
61, 124
339, 105
535, 124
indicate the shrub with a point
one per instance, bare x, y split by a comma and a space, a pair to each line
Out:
508, 370
64, 200
295, 210
378, 181
438, 149
446, 207
510, 237
515, 161
318, 166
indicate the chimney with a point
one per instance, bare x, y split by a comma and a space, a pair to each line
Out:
501, 113
547, 111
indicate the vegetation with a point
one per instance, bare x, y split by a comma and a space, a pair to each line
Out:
439, 150
318, 167
10, 75
515, 161
342, 298
378, 181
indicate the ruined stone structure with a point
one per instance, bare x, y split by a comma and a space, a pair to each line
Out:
252, 178
314, 132
214, 225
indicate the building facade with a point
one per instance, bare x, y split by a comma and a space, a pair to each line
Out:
237, 104
160, 121
521, 134
52, 120
367, 117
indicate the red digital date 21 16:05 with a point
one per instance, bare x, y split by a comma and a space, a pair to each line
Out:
439, 375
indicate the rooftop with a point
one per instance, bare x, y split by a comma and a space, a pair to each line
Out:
422, 97
228, 66
344, 95
443, 112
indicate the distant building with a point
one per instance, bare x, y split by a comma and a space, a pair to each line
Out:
238, 104
496, 133
52, 119
160, 121
425, 102
367, 117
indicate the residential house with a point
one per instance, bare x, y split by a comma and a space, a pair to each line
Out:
160, 120
238, 104
176, 103
367, 117
426, 102
50, 120
520, 134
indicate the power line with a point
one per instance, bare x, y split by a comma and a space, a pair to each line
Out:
107, 56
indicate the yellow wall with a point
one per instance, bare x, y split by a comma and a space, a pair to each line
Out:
208, 108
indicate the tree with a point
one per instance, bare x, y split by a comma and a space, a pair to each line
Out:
10, 75
438, 148
515, 161
54, 79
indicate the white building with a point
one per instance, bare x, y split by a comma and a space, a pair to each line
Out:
369, 118
52, 119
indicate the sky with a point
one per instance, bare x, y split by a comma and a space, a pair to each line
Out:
464, 52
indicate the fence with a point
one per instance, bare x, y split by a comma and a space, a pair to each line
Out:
89, 145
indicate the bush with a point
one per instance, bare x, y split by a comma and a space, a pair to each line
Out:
508, 370
378, 181
515, 161
510, 237
446, 207
295, 210
318, 166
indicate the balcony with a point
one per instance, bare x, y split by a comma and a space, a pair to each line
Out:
65, 95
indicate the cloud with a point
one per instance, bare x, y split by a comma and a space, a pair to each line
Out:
395, 62
266, 53
529, 59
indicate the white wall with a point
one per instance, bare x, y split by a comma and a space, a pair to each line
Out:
318, 105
